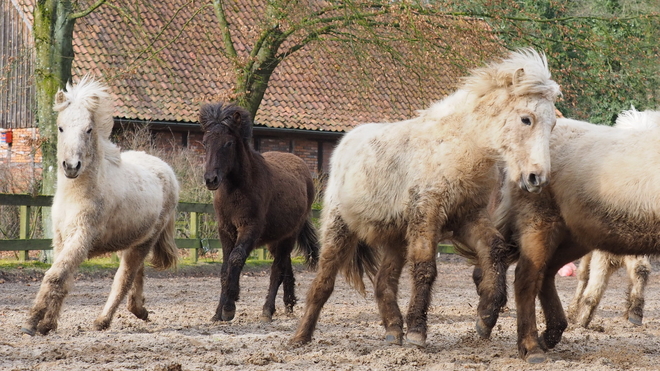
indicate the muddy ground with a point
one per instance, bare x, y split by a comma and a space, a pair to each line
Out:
180, 335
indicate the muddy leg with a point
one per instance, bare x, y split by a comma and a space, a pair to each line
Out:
639, 269
131, 262
289, 285
281, 254
338, 248
527, 285
227, 248
386, 289
600, 270
136, 296
583, 279
54, 287
553, 311
489, 274
423, 274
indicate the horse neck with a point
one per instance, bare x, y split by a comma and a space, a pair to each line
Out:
458, 114
249, 165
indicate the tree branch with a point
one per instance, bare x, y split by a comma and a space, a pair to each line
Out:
226, 34
86, 12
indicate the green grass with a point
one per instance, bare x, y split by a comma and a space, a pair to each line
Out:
99, 264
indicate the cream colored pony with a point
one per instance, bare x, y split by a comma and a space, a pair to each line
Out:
397, 189
596, 267
604, 195
105, 201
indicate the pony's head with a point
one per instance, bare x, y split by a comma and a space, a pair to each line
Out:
517, 96
84, 119
227, 131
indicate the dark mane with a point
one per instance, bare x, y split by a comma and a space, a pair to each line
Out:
236, 118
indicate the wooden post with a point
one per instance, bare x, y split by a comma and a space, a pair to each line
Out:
24, 231
194, 230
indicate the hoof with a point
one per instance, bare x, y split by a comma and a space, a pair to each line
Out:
44, 330
482, 330
417, 339
100, 325
299, 341
635, 319
265, 318
394, 335
143, 314
394, 339
536, 357
228, 315
28, 331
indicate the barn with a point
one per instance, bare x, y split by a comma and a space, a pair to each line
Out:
163, 61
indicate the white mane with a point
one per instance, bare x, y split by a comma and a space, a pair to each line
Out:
92, 95
525, 71
635, 120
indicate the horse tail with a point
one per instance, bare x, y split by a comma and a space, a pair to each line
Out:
165, 253
308, 243
365, 260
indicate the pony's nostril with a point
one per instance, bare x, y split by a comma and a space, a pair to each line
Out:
534, 179
211, 180
64, 165
79, 165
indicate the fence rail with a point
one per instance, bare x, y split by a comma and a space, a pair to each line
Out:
24, 244
26, 202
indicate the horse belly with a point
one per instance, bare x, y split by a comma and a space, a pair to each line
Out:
615, 231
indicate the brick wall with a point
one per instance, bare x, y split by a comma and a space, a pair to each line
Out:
307, 150
23, 157
20, 162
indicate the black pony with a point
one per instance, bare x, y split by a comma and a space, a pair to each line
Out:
259, 200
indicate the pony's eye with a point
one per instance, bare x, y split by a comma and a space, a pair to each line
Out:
89, 130
526, 121
60, 129
228, 144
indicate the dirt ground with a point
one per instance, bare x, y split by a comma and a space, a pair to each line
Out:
180, 335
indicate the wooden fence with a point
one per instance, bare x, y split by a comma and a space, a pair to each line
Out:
27, 202
24, 243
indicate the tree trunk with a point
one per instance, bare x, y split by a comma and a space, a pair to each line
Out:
53, 39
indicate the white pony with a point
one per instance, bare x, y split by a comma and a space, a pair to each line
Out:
105, 201
397, 189
604, 195
597, 267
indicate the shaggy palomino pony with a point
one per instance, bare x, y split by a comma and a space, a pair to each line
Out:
395, 190
602, 196
593, 274
597, 266
105, 201
259, 200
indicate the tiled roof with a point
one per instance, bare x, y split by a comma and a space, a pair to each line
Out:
322, 87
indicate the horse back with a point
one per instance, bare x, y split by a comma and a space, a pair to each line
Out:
275, 199
293, 193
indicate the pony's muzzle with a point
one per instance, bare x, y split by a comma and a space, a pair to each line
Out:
212, 181
71, 171
533, 182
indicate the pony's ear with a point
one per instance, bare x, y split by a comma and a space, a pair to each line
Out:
61, 102
518, 76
